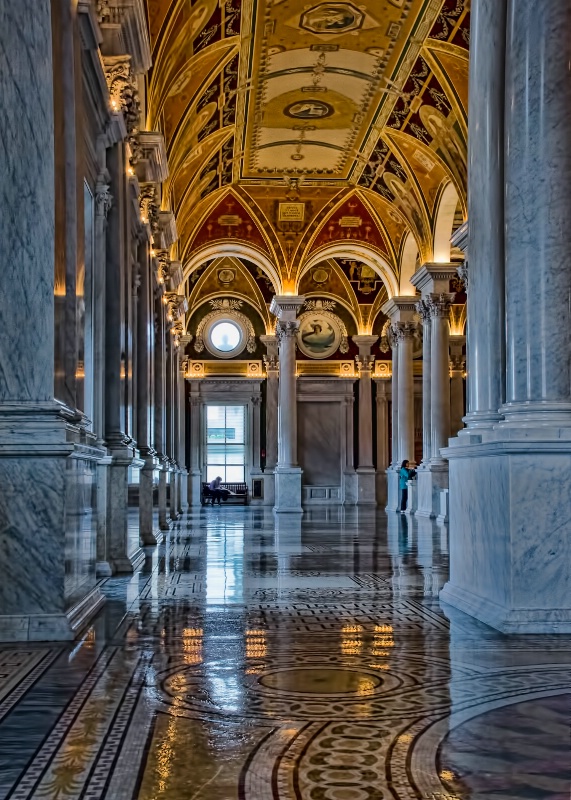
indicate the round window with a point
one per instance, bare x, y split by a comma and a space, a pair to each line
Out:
225, 336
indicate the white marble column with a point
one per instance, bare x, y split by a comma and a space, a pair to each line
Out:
486, 315
271, 363
433, 281
287, 473
510, 526
366, 489
256, 431
48, 587
439, 308
457, 367
424, 312
195, 444
404, 332
350, 494
402, 314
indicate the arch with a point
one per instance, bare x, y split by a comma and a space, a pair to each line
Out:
236, 250
372, 258
409, 255
444, 224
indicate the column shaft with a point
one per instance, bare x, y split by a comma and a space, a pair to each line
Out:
439, 305
538, 209
365, 412
287, 407
395, 403
272, 392
485, 326
426, 382
404, 332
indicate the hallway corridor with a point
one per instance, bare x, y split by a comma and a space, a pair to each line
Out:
256, 658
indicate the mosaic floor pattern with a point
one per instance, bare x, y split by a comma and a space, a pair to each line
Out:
255, 659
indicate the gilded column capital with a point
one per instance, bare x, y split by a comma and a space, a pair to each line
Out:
123, 92
439, 304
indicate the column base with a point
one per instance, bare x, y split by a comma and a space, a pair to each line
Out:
366, 484
288, 490
126, 565
393, 493
148, 530
194, 486
510, 529
269, 489
431, 479
51, 627
412, 499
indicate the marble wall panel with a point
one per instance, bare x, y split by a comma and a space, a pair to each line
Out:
80, 528
319, 435
479, 526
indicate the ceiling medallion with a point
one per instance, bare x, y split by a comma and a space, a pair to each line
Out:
309, 109
320, 275
226, 276
332, 18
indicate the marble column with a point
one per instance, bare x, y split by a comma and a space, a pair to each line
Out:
195, 430
424, 312
287, 473
123, 551
366, 489
144, 404
271, 362
181, 457
486, 314
457, 367
510, 528
433, 281
47, 464
402, 314
160, 414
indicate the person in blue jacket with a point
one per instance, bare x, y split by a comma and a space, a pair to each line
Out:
405, 474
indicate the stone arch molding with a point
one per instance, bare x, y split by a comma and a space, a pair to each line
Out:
233, 249
360, 252
222, 310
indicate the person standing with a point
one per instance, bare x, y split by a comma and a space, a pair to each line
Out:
405, 474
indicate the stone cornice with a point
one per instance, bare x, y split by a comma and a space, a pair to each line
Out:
286, 306
434, 277
401, 308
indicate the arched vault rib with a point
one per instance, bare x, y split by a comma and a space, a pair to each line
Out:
359, 251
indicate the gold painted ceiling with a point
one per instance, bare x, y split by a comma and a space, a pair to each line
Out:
301, 132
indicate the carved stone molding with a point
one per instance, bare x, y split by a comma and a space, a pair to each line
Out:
463, 274
123, 92
365, 363
457, 363
439, 304
163, 269
403, 330
287, 329
423, 310
271, 363
224, 310
148, 204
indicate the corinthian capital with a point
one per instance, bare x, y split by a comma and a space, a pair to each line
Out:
439, 304
365, 363
103, 199
287, 329
403, 330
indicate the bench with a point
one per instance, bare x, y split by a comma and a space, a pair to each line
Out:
239, 493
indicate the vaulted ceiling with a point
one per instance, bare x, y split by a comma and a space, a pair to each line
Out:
303, 133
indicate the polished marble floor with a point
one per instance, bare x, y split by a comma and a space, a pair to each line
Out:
255, 659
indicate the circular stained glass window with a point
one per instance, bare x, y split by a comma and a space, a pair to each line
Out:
225, 336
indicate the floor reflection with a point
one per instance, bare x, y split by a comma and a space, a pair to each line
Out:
255, 658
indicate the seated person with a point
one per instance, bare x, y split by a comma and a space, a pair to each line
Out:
217, 492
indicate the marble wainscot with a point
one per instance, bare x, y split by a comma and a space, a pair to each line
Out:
47, 524
325, 441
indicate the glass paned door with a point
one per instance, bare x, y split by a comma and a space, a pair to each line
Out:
225, 443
